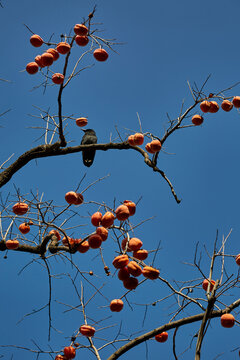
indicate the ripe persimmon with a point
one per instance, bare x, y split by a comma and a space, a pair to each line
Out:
54, 53
82, 121
95, 241
32, 68
138, 138
162, 337
107, 219
24, 228
58, 78
236, 101
197, 120
80, 29
214, 107
63, 47
122, 213
205, 106
87, 330
81, 40
131, 206
116, 305
36, 40
12, 244
47, 59
20, 208
69, 352
227, 105
100, 54
227, 320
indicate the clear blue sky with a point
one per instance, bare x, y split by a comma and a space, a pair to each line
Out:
164, 45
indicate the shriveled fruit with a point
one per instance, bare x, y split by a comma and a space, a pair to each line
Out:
205, 284
103, 232
20, 208
56, 233
140, 254
237, 259
63, 47
227, 320
107, 219
116, 305
100, 54
149, 149
47, 59
69, 352
162, 337
36, 40
82, 121
123, 274
120, 261
80, 29
131, 206
205, 106
155, 145
227, 105
131, 283
12, 244
83, 247
150, 272
95, 241
236, 101
214, 107
197, 120
32, 68
122, 213
134, 269
24, 228
138, 138
58, 78
135, 244
87, 330
54, 53
81, 40
96, 218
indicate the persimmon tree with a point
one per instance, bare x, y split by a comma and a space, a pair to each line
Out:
92, 247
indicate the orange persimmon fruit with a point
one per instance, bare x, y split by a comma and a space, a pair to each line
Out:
227, 320
82, 121
197, 120
36, 40
227, 105
162, 337
100, 54
80, 30
58, 78
32, 68
116, 305
20, 208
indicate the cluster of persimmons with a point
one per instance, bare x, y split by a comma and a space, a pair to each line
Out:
213, 107
46, 59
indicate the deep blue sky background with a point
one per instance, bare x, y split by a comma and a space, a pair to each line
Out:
165, 44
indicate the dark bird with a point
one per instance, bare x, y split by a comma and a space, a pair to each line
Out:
88, 138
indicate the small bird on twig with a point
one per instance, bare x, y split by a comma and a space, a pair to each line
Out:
88, 138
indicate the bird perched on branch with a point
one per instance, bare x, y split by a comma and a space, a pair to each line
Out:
88, 138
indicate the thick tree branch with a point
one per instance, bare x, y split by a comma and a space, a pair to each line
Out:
191, 319
55, 149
